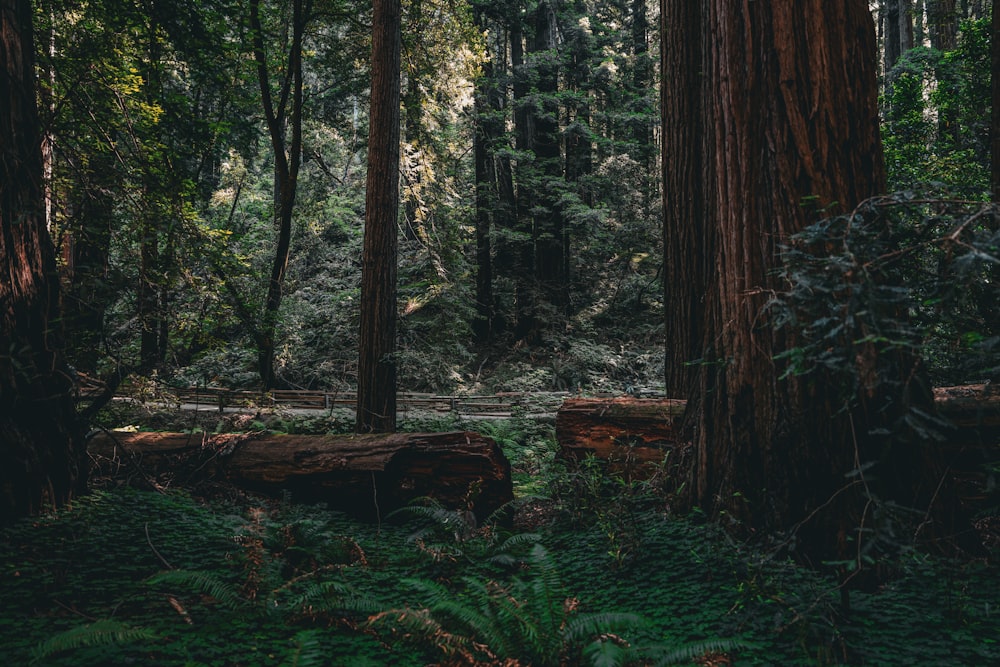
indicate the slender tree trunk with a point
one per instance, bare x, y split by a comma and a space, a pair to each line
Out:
521, 250
548, 231
150, 278
995, 94
414, 227
42, 457
287, 158
642, 78
376, 408
87, 247
487, 200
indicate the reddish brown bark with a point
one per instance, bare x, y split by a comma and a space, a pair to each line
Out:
376, 409
784, 129
625, 430
40, 456
367, 475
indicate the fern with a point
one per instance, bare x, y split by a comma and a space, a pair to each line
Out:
529, 619
308, 652
662, 656
100, 633
204, 583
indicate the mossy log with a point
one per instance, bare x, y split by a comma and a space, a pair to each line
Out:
366, 475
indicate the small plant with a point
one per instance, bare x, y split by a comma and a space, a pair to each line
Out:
529, 621
592, 492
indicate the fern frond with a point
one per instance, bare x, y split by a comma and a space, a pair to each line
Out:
662, 656
308, 652
100, 633
582, 627
606, 653
204, 583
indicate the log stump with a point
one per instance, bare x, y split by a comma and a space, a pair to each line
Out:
631, 433
366, 475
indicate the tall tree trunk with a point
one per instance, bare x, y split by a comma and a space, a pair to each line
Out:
551, 294
376, 408
150, 278
685, 224
942, 26
785, 125
519, 239
42, 456
414, 227
287, 158
995, 95
487, 200
87, 247
642, 78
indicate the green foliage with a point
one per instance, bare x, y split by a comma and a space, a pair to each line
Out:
529, 619
606, 495
98, 633
936, 116
696, 590
898, 274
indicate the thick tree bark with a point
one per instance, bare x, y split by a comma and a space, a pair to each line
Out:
376, 409
784, 130
42, 460
686, 272
366, 475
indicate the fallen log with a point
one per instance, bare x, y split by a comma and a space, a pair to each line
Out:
624, 429
366, 475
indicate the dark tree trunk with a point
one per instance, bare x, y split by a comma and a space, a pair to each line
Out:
642, 78
487, 200
287, 158
376, 409
42, 458
86, 247
520, 246
995, 95
548, 229
150, 277
579, 143
685, 224
784, 126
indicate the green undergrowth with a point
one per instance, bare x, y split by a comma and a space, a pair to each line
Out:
604, 574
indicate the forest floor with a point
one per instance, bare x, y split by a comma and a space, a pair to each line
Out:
143, 572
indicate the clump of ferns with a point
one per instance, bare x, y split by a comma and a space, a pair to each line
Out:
284, 571
448, 536
530, 620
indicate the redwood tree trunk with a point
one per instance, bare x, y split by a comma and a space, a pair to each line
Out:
41, 453
781, 102
376, 409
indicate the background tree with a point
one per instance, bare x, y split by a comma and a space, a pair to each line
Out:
42, 455
773, 158
278, 114
376, 406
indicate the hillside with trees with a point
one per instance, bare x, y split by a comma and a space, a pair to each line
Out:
775, 221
